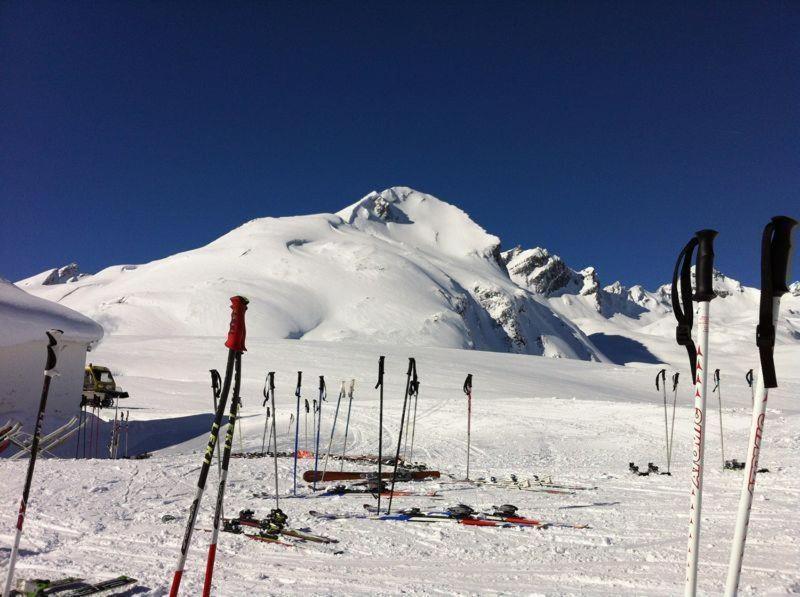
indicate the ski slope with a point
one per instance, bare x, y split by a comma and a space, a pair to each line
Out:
580, 422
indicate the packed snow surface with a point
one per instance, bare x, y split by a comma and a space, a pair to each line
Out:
578, 422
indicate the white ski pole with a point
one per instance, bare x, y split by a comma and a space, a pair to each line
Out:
776, 249
718, 389
703, 241
661, 377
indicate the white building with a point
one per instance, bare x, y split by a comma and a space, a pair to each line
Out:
24, 318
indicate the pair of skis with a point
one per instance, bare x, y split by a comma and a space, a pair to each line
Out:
776, 248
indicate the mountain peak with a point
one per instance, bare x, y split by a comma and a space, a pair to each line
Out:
437, 225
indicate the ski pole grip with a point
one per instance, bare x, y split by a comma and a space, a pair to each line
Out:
468, 384
271, 380
380, 372
704, 272
53, 348
321, 383
781, 253
237, 331
412, 365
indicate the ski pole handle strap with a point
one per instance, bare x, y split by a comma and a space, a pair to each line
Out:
704, 272
776, 249
682, 302
54, 348
468, 384
748, 377
663, 375
237, 331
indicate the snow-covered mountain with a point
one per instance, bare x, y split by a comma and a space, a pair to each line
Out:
398, 266
404, 267
628, 324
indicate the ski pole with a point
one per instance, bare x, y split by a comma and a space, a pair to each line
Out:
239, 433
267, 413
235, 345
347, 424
411, 378
661, 377
80, 424
127, 430
297, 428
468, 391
718, 390
236, 403
380, 423
675, 377
50, 371
216, 387
414, 422
703, 241
776, 250
305, 425
748, 377
407, 426
342, 394
273, 432
322, 395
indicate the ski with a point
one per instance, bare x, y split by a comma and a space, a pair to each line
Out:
522, 486
343, 490
275, 524
70, 587
402, 475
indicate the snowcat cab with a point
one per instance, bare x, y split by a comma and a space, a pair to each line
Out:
99, 387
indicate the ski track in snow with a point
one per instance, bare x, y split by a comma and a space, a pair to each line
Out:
579, 422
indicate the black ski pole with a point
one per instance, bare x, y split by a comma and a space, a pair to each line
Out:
411, 378
267, 413
236, 403
216, 388
127, 430
50, 371
468, 391
380, 423
235, 345
274, 432
297, 428
748, 377
322, 395
305, 425
347, 424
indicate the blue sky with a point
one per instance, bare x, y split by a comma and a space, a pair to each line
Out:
606, 132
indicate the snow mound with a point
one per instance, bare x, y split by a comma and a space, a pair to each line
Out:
25, 318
